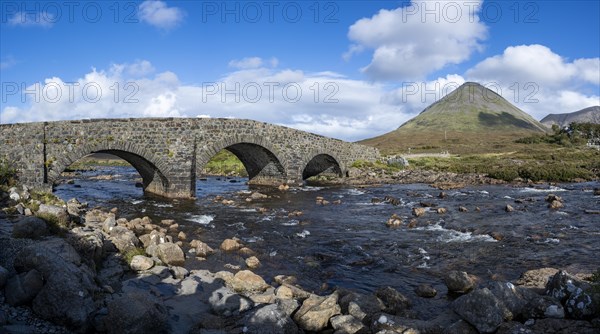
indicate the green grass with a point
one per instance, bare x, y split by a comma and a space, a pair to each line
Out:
56, 225
225, 163
128, 255
8, 173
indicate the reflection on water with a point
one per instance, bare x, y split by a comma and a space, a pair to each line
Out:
349, 245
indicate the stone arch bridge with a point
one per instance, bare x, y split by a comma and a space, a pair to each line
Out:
169, 153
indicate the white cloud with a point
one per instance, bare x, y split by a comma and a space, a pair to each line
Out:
158, 14
535, 63
324, 102
411, 42
246, 63
540, 81
39, 19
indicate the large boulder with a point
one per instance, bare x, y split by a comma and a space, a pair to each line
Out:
315, 312
576, 296
543, 307
361, 306
136, 312
513, 297
66, 297
270, 319
482, 309
22, 288
171, 254
30, 228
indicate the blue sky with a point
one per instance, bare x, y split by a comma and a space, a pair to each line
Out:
362, 67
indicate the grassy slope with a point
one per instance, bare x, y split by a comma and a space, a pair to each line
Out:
480, 135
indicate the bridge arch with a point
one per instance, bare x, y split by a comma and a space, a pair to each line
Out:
154, 171
263, 162
319, 162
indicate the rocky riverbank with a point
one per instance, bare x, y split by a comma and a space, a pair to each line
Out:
85, 269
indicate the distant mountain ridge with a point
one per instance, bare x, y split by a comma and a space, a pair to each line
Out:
471, 116
472, 107
587, 115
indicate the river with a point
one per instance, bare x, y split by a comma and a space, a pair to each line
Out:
349, 245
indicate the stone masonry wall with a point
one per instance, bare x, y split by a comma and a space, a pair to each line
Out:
170, 152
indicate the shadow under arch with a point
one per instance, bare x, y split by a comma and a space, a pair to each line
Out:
263, 163
152, 171
319, 163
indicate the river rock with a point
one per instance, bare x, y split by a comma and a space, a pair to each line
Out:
563, 326
509, 208
386, 323
315, 312
514, 298
463, 209
245, 281
575, 295
394, 220
425, 291
171, 254
284, 292
253, 262
154, 238
74, 207
482, 310
179, 272
109, 223
441, 211
555, 205
123, 239
111, 271
60, 213
181, 236
227, 303
4, 274
543, 307
136, 312
230, 245
270, 319
418, 212
89, 243
202, 249
394, 301
257, 195
347, 324
66, 297
463, 327
458, 281
22, 288
536, 278
141, 263
30, 228
552, 197
361, 306
289, 306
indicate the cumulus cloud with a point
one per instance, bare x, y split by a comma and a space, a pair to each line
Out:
246, 63
540, 81
158, 14
39, 19
325, 102
413, 41
536, 63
